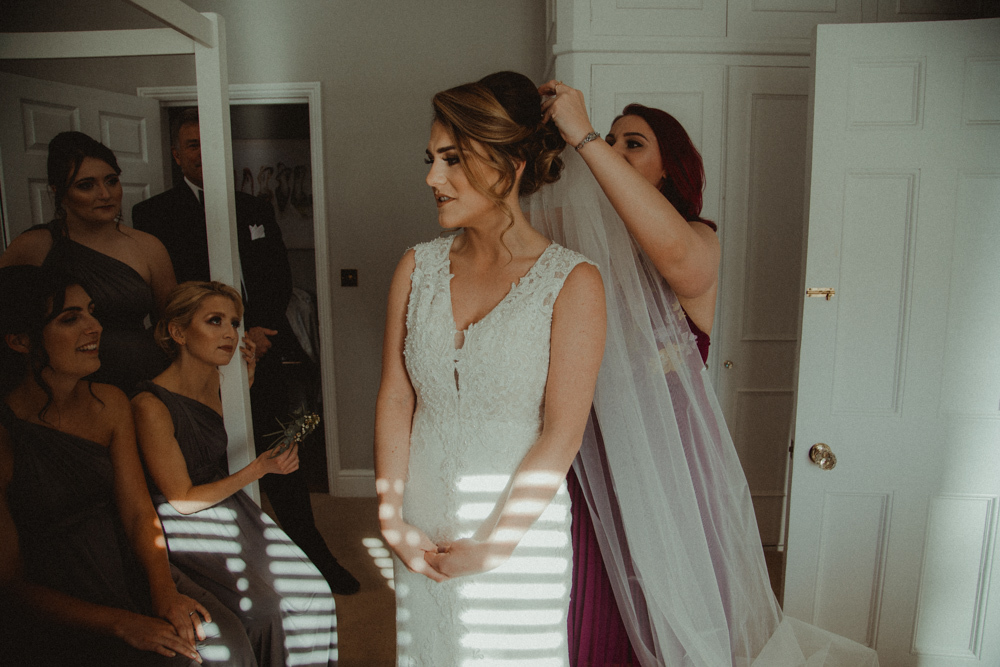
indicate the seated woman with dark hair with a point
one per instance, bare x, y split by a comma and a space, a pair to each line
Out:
215, 533
83, 569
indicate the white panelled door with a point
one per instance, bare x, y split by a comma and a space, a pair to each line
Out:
33, 111
899, 373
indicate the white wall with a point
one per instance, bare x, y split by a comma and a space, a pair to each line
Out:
379, 64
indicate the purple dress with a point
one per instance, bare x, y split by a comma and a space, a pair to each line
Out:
597, 633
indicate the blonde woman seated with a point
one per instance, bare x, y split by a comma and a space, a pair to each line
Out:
215, 532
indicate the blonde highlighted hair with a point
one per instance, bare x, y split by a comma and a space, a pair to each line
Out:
183, 302
501, 112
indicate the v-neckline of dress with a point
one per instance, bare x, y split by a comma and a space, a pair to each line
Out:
513, 288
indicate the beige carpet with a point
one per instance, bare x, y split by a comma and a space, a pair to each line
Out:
366, 627
366, 620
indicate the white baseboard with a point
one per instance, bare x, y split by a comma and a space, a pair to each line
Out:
358, 483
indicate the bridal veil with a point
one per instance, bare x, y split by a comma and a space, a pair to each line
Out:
668, 497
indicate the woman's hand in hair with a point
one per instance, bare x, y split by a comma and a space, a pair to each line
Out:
566, 107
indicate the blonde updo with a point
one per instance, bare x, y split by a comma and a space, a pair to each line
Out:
183, 302
503, 113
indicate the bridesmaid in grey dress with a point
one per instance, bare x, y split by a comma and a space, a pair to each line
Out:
215, 533
84, 576
126, 272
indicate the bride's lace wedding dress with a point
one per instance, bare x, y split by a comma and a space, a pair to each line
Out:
479, 406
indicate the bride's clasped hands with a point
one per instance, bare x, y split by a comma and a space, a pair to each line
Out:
412, 546
446, 560
407, 541
467, 556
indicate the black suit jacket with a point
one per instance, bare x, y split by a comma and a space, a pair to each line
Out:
177, 218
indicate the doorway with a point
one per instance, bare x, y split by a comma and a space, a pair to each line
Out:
277, 152
272, 161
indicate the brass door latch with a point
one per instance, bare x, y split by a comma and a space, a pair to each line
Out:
827, 292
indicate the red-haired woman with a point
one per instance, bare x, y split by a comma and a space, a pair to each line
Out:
670, 516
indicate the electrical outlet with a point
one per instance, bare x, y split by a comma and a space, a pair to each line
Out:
348, 277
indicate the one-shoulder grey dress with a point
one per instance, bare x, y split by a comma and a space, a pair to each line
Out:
240, 555
123, 304
71, 539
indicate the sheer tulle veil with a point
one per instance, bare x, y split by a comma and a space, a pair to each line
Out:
665, 488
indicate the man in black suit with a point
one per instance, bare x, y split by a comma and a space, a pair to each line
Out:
177, 218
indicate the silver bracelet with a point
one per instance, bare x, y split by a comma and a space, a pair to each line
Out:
587, 139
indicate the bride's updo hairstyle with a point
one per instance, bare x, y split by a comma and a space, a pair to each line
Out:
503, 113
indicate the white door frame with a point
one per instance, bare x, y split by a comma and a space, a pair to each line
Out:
204, 37
293, 93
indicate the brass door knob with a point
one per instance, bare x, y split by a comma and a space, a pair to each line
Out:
728, 364
823, 456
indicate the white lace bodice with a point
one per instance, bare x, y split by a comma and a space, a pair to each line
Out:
499, 371
498, 374
478, 412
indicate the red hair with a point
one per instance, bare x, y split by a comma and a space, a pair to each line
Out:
681, 161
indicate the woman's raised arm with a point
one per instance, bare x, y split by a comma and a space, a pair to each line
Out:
686, 253
578, 331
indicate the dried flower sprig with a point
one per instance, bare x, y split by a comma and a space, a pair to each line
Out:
300, 425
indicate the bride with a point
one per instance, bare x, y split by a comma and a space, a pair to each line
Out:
492, 346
